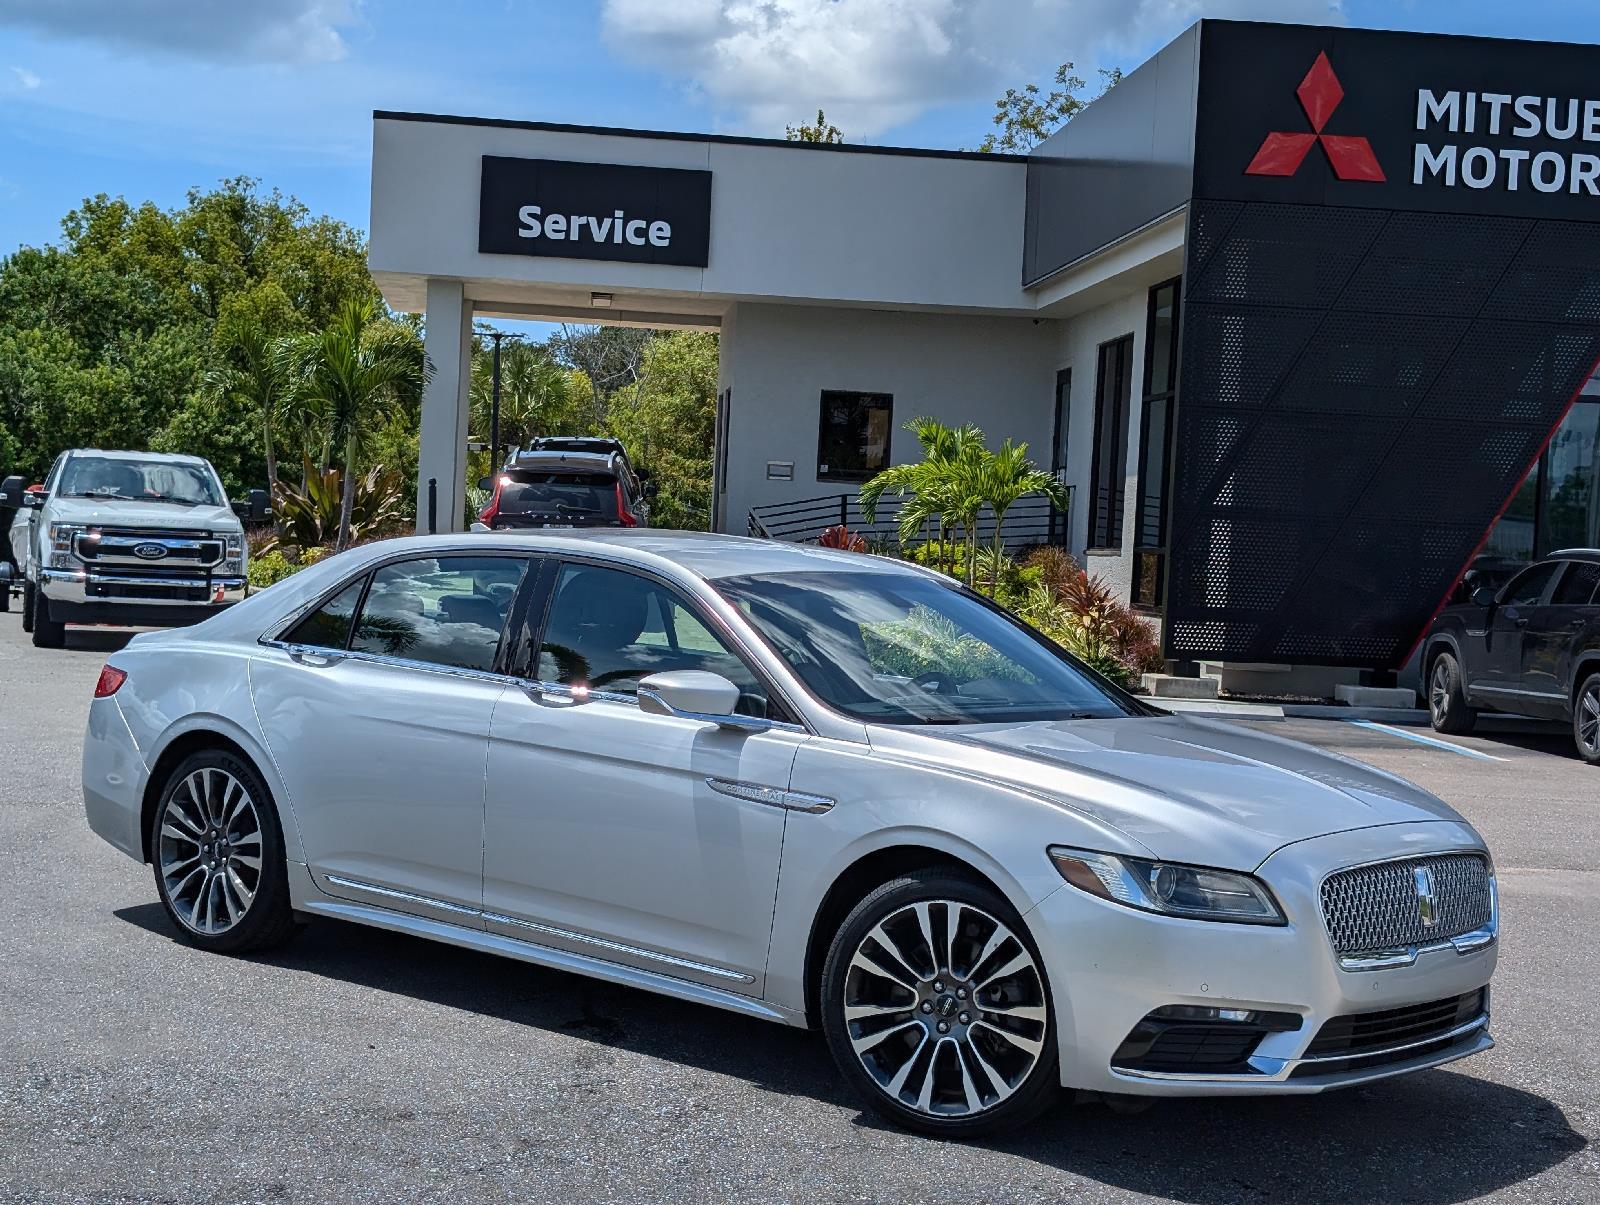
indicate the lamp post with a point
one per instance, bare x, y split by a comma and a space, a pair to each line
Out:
494, 403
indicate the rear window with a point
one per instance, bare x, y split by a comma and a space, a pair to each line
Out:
559, 495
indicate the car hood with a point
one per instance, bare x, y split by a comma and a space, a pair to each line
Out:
1187, 789
170, 515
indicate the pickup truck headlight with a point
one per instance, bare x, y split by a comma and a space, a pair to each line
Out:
233, 556
61, 554
1172, 889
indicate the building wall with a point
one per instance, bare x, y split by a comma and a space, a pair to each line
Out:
1077, 347
996, 372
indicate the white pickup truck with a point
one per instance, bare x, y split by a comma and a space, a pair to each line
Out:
126, 539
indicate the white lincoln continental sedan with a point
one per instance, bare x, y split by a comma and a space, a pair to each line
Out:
815, 787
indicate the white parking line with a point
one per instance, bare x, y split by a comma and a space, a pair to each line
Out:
1431, 741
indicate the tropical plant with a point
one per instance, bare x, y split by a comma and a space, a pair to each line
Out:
311, 515
841, 537
260, 378
538, 396
1007, 476
1083, 614
351, 375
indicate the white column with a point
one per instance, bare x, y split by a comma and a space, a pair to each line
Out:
443, 452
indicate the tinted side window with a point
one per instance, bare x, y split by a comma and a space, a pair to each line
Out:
1578, 583
328, 627
443, 610
608, 629
1527, 587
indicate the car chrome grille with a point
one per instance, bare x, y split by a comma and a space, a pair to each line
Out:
1382, 907
172, 550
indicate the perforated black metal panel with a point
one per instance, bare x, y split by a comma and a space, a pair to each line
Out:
1360, 392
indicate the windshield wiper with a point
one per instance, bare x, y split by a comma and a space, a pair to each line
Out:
102, 497
175, 499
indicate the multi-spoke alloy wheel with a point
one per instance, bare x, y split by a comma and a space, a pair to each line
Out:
1447, 699
942, 1006
211, 850
218, 855
1586, 720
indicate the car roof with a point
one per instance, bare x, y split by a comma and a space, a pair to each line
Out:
1574, 554
706, 555
122, 454
546, 458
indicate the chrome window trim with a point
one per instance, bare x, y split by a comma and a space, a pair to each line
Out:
618, 947
777, 797
432, 667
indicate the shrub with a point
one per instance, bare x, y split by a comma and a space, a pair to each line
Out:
270, 567
841, 537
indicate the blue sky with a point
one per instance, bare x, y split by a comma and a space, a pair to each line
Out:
146, 98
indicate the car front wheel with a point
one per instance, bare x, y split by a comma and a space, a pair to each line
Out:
1586, 720
47, 633
936, 1007
1447, 698
218, 854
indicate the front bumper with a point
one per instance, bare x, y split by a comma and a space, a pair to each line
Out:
1111, 966
84, 597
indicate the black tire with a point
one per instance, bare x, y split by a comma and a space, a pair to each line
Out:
47, 633
267, 918
27, 605
5, 596
960, 1055
1586, 719
1448, 709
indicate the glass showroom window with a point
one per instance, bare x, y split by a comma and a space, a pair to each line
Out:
1155, 445
1558, 503
853, 442
1112, 388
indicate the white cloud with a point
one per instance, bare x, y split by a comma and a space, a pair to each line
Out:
26, 79
275, 31
873, 64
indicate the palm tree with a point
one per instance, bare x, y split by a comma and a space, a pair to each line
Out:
261, 378
1009, 475
353, 374
931, 484
537, 396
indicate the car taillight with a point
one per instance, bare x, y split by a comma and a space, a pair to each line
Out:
627, 517
110, 679
490, 513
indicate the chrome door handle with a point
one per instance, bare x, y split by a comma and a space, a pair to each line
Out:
315, 658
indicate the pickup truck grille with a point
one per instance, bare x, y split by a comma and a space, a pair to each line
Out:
151, 552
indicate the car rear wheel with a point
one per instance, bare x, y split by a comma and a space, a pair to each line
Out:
218, 855
1586, 719
47, 633
936, 1008
1447, 699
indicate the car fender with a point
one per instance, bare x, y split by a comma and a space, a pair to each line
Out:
173, 692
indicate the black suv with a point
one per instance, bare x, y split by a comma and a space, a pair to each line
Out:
552, 487
1531, 647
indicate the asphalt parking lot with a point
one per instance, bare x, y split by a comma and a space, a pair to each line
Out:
361, 1065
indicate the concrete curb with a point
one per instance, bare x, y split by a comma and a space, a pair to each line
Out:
1226, 709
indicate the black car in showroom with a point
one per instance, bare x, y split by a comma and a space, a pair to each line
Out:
1530, 647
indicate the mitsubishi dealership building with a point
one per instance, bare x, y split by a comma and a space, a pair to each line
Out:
1303, 316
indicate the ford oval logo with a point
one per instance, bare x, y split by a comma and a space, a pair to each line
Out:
150, 552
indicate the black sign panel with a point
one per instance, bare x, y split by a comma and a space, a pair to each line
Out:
549, 207
1368, 118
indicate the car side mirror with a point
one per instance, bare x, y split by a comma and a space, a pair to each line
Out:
11, 491
254, 508
33, 498
478, 527
1483, 596
695, 694
486, 483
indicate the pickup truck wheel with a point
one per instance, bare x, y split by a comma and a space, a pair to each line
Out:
47, 633
5, 596
1586, 719
1447, 700
27, 605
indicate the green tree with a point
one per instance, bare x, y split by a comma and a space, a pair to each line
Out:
1008, 476
667, 423
352, 375
538, 395
822, 131
1025, 117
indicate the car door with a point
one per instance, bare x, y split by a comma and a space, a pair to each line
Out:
376, 709
646, 840
1554, 628
1500, 675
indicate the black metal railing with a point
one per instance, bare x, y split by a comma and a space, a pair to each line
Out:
1029, 521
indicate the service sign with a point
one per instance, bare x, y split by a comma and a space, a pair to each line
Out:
1398, 121
550, 207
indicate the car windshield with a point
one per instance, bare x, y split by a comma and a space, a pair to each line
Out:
893, 648
119, 479
554, 495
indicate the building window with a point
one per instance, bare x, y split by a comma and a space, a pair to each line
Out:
1155, 445
853, 442
1112, 386
1558, 503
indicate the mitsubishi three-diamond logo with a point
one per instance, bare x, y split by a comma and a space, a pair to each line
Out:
1282, 152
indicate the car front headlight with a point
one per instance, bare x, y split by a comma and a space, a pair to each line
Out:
61, 554
1171, 889
233, 558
